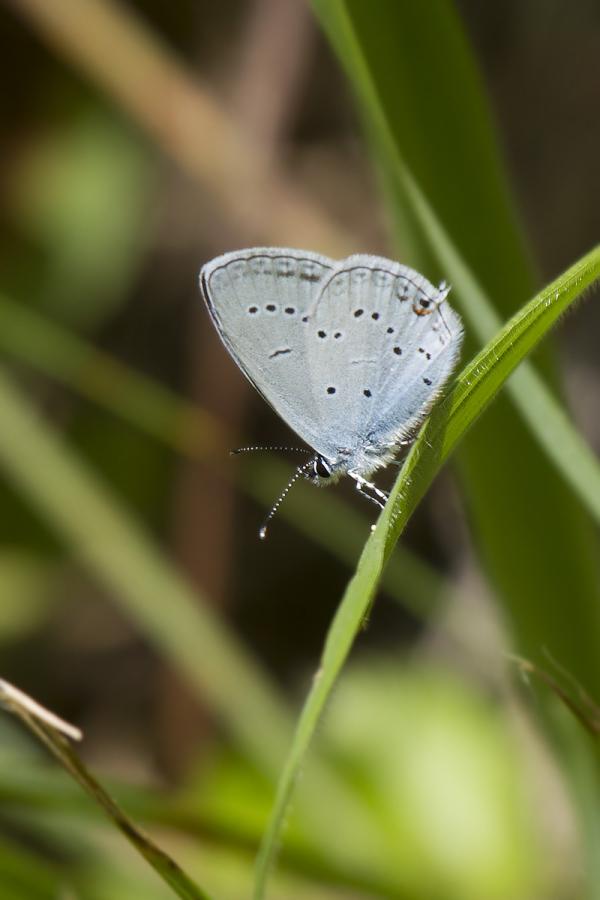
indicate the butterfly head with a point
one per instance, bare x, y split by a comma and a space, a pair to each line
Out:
320, 469
326, 470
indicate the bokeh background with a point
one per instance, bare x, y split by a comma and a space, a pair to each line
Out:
140, 139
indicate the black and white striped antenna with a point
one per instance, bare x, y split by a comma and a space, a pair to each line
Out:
297, 474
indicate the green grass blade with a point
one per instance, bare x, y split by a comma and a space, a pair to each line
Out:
471, 392
420, 95
53, 733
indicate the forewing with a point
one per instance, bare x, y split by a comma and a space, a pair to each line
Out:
381, 343
258, 299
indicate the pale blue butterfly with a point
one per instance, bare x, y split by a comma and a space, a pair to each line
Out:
351, 353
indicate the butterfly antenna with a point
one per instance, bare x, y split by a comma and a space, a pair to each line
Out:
297, 474
259, 447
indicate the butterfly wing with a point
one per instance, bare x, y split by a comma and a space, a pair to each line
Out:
259, 300
381, 342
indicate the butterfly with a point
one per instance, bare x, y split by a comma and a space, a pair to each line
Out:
351, 353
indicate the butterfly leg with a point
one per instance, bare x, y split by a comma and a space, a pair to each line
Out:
364, 487
361, 490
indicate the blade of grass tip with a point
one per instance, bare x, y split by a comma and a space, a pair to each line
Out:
468, 396
574, 698
18, 702
51, 731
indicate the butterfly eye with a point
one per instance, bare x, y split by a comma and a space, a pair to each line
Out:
321, 467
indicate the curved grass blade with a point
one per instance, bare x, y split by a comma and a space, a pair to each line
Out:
470, 393
413, 71
53, 733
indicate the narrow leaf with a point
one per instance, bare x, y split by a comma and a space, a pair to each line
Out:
421, 98
469, 395
51, 731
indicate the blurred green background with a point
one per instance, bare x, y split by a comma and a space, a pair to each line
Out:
139, 140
